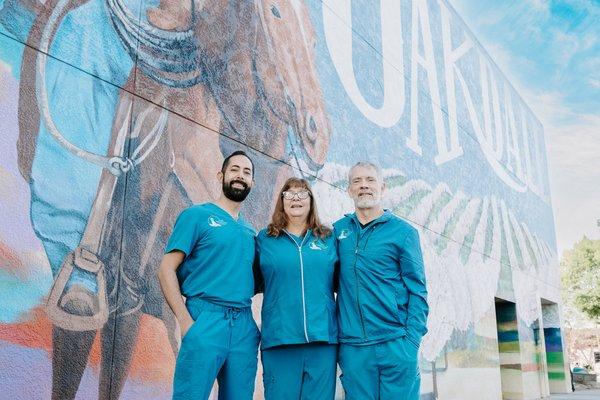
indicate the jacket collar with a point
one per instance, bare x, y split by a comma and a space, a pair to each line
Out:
303, 240
386, 216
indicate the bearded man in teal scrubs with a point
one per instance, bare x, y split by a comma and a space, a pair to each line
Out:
209, 260
382, 297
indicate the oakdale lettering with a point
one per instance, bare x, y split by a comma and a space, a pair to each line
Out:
480, 104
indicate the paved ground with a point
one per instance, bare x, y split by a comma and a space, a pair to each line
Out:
593, 394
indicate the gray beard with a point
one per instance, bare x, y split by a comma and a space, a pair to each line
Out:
369, 202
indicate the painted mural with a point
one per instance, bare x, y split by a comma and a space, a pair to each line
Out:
116, 114
509, 347
557, 373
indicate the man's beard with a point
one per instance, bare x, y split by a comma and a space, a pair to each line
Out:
235, 194
366, 202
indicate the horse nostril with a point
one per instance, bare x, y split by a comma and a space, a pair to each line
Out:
275, 11
311, 127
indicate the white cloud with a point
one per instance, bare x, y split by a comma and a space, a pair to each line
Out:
576, 147
549, 107
566, 46
573, 147
594, 82
540, 5
574, 169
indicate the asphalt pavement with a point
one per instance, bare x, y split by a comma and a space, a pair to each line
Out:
591, 394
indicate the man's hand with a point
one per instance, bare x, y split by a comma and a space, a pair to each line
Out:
185, 325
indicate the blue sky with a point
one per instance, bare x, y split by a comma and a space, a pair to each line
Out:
550, 51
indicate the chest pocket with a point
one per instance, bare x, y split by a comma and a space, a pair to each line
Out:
227, 237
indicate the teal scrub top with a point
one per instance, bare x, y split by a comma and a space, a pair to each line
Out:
219, 253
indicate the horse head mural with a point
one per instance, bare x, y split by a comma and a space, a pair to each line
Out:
253, 79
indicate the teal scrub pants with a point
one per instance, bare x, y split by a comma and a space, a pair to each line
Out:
300, 372
382, 371
222, 344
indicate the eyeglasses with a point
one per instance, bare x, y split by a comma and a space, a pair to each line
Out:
301, 195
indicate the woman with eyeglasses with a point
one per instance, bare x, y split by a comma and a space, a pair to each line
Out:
296, 265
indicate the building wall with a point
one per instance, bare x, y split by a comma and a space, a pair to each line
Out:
138, 108
558, 369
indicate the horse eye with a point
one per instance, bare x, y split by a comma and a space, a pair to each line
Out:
275, 11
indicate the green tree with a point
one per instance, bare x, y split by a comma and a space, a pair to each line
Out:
580, 275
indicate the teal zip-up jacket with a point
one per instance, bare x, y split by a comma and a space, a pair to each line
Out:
382, 293
297, 276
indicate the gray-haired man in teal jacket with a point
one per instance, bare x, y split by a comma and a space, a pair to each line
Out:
382, 298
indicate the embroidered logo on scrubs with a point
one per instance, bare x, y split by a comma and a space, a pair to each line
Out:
216, 222
317, 244
344, 234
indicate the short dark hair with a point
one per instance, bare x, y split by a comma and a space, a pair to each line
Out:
236, 153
